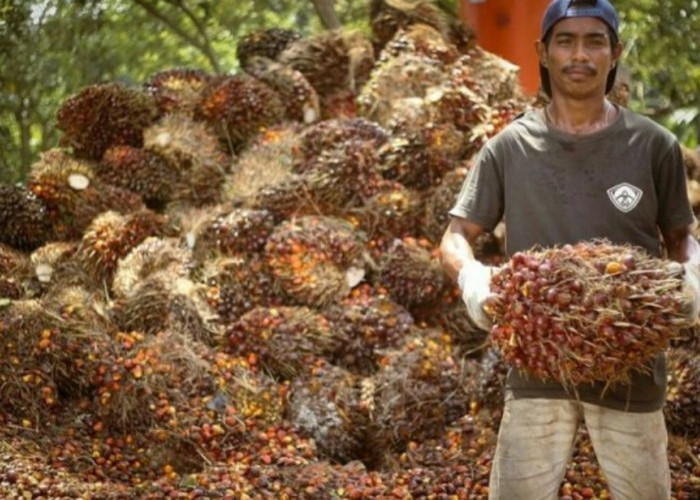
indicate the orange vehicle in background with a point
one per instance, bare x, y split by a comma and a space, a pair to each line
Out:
509, 29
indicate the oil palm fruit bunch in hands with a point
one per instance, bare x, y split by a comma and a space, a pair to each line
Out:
584, 312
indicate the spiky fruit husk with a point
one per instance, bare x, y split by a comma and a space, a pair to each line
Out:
269, 43
342, 177
160, 303
111, 236
325, 403
457, 105
387, 17
420, 155
267, 161
177, 90
394, 212
285, 340
192, 149
239, 284
395, 79
300, 99
418, 392
585, 312
237, 107
152, 255
331, 60
139, 170
71, 207
682, 409
331, 133
411, 274
423, 40
105, 115
490, 76
15, 269
310, 258
372, 323
23, 222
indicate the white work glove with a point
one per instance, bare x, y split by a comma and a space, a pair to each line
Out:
691, 288
474, 280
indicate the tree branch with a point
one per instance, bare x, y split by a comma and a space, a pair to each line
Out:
326, 11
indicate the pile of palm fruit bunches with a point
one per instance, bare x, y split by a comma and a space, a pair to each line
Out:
226, 286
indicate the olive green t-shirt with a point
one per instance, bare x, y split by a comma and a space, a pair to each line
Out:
625, 183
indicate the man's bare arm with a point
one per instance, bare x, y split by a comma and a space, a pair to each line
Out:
456, 245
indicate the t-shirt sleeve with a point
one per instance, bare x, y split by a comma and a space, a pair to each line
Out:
674, 207
481, 198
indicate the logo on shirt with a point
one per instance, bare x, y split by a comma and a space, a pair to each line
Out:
625, 196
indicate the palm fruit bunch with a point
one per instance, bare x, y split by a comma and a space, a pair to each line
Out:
238, 106
395, 84
314, 259
327, 134
683, 460
411, 273
193, 151
341, 177
15, 270
682, 409
139, 170
589, 311
265, 162
111, 236
27, 383
178, 89
394, 211
492, 77
105, 115
53, 266
691, 160
300, 99
73, 195
333, 61
152, 255
23, 221
417, 392
160, 303
238, 284
236, 231
440, 199
387, 17
486, 382
325, 403
268, 43
420, 153
284, 339
422, 39
371, 323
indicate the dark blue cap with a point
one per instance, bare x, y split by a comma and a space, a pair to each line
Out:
563, 9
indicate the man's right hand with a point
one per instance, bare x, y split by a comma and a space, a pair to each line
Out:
475, 282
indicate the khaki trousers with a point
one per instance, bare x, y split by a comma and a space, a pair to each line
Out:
536, 441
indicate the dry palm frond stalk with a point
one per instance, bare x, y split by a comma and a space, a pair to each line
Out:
585, 312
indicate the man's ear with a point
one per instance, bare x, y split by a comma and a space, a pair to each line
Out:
617, 53
541, 49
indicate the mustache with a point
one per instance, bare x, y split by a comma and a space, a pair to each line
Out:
591, 70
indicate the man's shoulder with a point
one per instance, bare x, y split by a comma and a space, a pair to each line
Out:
638, 121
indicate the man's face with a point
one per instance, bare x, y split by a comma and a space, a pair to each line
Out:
579, 57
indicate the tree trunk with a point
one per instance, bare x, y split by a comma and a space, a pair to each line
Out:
326, 11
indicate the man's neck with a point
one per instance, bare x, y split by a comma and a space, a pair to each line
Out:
579, 117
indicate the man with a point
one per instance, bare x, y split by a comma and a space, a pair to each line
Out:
578, 169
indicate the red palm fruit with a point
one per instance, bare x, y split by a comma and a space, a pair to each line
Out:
177, 90
23, 218
105, 115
